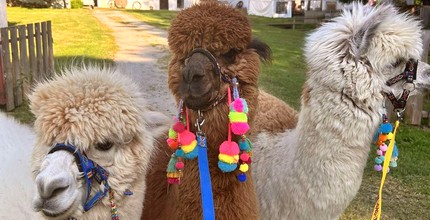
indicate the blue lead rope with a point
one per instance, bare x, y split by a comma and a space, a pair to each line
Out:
205, 180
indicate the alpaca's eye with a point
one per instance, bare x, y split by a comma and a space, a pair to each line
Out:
104, 146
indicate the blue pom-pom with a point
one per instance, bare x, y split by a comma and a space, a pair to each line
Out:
395, 151
193, 154
245, 145
378, 160
382, 158
241, 177
386, 128
225, 167
180, 153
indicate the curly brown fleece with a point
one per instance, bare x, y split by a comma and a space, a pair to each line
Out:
219, 33
204, 26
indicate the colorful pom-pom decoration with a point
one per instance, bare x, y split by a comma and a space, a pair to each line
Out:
184, 143
233, 155
174, 173
382, 138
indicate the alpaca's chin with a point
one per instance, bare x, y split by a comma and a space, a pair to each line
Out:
59, 208
72, 211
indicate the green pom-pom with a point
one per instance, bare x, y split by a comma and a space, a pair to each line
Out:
172, 134
238, 117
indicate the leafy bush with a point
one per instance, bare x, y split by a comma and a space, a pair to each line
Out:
77, 4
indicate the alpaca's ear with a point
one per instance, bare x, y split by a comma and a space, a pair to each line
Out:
262, 49
362, 37
157, 123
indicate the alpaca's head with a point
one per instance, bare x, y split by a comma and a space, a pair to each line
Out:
103, 115
358, 52
211, 43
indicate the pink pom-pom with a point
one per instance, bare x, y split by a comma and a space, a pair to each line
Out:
244, 157
383, 147
178, 127
379, 152
186, 137
173, 181
238, 105
239, 128
229, 148
179, 165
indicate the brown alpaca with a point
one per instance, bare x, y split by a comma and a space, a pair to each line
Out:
226, 34
274, 115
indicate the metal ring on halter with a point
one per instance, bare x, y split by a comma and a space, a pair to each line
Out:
200, 120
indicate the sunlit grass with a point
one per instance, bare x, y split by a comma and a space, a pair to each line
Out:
78, 37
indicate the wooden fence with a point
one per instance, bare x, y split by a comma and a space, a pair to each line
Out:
26, 57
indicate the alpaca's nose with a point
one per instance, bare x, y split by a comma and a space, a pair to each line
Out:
192, 74
51, 184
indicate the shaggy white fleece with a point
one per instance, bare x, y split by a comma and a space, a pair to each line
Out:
90, 107
16, 184
315, 171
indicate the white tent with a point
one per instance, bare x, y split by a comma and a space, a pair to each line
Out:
267, 8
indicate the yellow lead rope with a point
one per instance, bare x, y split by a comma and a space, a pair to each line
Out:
376, 214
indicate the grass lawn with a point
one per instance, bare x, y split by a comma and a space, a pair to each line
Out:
407, 193
78, 37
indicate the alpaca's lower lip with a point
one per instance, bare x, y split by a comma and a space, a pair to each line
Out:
197, 102
57, 214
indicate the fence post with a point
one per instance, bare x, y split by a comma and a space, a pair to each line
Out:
24, 65
414, 106
7, 70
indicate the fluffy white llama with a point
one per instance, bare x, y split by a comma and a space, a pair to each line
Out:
103, 114
321, 167
16, 141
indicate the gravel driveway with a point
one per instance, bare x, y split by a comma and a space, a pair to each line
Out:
141, 55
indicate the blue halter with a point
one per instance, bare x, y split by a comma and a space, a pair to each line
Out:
90, 169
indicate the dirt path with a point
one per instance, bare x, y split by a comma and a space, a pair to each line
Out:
141, 48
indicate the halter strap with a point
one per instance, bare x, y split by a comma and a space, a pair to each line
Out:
90, 169
409, 74
223, 77
213, 61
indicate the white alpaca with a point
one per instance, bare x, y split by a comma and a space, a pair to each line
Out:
16, 141
103, 114
315, 171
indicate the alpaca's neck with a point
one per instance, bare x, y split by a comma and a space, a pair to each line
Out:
323, 159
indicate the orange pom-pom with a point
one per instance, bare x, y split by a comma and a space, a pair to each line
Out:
173, 143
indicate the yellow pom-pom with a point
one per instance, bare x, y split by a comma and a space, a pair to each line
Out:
190, 147
174, 175
228, 159
390, 136
244, 167
238, 117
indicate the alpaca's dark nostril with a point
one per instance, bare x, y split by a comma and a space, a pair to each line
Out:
58, 191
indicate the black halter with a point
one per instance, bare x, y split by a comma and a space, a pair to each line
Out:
409, 74
222, 77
